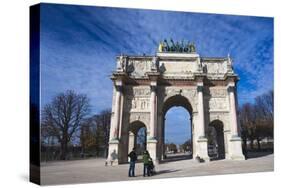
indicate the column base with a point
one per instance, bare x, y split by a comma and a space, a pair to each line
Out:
152, 149
202, 149
235, 150
112, 158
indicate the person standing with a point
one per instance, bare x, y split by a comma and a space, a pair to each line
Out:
133, 158
146, 158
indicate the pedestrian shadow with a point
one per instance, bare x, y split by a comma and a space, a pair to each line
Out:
251, 155
165, 172
217, 158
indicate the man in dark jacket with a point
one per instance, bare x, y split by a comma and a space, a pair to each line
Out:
133, 158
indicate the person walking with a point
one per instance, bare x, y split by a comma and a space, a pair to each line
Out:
133, 158
146, 158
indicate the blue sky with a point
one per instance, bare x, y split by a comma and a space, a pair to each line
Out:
79, 45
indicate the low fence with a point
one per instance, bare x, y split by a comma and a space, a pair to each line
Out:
53, 153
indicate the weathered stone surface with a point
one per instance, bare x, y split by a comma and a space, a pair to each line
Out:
153, 84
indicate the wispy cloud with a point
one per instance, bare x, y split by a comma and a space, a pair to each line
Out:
79, 45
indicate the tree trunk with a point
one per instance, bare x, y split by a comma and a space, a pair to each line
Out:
63, 150
252, 144
259, 144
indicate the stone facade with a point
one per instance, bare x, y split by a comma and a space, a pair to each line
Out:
146, 87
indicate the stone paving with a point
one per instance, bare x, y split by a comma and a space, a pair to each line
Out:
94, 170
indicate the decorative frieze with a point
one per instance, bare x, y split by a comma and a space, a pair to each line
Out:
141, 92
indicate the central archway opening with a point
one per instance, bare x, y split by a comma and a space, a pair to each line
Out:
177, 129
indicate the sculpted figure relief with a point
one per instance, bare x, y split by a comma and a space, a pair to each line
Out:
134, 104
138, 104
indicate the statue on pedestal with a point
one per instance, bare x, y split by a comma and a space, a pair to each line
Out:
121, 66
161, 47
154, 64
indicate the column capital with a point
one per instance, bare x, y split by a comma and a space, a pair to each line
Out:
153, 88
230, 77
118, 85
231, 89
200, 88
119, 76
119, 88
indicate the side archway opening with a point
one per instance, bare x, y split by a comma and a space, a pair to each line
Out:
216, 145
137, 137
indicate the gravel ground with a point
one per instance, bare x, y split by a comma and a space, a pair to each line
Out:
93, 170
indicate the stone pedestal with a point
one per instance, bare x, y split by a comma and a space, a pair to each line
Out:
112, 158
131, 141
235, 148
202, 148
152, 149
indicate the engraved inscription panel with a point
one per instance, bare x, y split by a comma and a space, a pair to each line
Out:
179, 67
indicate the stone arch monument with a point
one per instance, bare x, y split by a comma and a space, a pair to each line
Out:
146, 87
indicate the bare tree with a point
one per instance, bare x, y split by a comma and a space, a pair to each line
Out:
87, 136
264, 105
247, 121
264, 116
257, 119
104, 127
64, 116
187, 145
94, 134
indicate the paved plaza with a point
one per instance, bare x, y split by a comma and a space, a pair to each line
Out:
94, 170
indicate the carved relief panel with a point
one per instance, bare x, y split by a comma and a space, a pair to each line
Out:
138, 99
140, 116
218, 104
138, 68
222, 116
190, 93
217, 99
215, 67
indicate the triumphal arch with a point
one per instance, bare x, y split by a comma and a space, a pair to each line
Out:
146, 87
